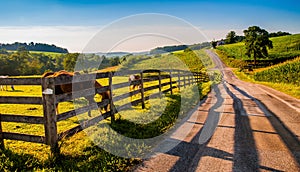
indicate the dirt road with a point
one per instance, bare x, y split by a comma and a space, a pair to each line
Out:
253, 128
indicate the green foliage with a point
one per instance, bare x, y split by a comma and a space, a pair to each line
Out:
256, 42
230, 37
230, 60
195, 61
284, 48
288, 72
70, 61
279, 33
33, 47
214, 44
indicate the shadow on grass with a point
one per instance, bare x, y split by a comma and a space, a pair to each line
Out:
93, 158
11, 161
152, 129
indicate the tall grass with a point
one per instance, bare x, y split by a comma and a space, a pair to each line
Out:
288, 72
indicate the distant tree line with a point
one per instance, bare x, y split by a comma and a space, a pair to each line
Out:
22, 62
279, 33
165, 49
231, 38
33, 47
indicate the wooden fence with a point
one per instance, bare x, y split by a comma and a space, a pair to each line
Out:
166, 78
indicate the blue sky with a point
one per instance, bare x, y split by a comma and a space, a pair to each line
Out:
63, 17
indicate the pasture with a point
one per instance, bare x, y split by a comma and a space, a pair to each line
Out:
284, 47
80, 152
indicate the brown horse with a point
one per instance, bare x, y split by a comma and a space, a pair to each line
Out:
67, 88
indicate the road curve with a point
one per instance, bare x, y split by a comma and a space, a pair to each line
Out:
253, 128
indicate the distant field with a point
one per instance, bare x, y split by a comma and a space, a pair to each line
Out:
288, 72
46, 53
194, 61
283, 47
42, 52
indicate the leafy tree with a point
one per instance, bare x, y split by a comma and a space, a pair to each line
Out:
230, 37
70, 61
256, 42
214, 44
115, 61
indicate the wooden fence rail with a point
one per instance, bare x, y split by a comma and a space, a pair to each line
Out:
167, 81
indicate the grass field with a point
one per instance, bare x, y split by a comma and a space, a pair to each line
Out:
283, 47
283, 77
79, 152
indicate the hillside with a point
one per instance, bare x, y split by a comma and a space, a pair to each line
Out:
184, 60
284, 48
288, 72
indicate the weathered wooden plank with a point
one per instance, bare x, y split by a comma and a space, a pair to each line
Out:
83, 125
20, 81
151, 87
81, 110
24, 137
126, 95
127, 72
82, 93
70, 132
120, 85
151, 71
22, 119
1, 135
20, 100
79, 78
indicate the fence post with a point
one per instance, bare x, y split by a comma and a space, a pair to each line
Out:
142, 91
184, 82
189, 80
1, 136
178, 74
112, 112
171, 82
159, 82
50, 118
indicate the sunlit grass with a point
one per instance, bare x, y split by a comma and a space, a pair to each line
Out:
289, 89
79, 153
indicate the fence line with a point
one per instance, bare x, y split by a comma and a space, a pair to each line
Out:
49, 100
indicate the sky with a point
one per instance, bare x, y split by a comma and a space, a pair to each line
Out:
75, 24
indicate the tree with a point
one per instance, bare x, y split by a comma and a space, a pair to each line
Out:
214, 44
70, 61
230, 37
256, 42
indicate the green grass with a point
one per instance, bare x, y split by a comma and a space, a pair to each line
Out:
288, 72
283, 47
290, 89
79, 153
283, 77
194, 61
